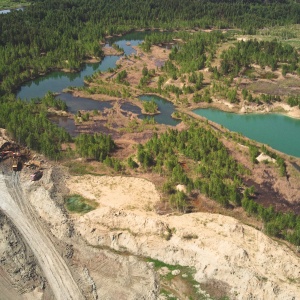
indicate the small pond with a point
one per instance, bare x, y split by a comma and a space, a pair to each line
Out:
165, 107
78, 103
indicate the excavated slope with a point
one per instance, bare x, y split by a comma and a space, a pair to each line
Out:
219, 247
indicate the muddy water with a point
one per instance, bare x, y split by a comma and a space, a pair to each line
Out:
280, 132
78, 103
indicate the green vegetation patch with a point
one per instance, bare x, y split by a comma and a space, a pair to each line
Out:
186, 278
178, 282
78, 168
9, 4
281, 88
264, 53
215, 173
150, 107
79, 204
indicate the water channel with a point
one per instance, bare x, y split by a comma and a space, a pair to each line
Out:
165, 107
57, 81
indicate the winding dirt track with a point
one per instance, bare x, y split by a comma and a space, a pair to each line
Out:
15, 205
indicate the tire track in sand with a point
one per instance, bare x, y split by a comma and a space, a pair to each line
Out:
15, 205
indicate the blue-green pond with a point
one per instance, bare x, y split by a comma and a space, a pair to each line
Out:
280, 132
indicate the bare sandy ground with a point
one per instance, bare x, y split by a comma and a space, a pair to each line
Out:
293, 112
3, 137
111, 51
219, 247
116, 192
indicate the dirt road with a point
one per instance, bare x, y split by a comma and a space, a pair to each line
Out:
14, 204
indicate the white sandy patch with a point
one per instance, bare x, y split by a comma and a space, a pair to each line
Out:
116, 192
3, 137
224, 102
264, 157
293, 112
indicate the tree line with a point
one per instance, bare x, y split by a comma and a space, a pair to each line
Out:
61, 34
28, 124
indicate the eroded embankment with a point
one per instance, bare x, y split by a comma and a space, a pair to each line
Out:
18, 209
20, 276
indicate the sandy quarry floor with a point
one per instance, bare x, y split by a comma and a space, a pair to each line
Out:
116, 192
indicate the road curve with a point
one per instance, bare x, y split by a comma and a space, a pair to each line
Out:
18, 209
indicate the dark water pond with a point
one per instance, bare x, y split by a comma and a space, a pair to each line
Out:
78, 103
165, 107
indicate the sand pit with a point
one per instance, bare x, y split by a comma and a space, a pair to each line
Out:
220, 248
264, 157
116, 192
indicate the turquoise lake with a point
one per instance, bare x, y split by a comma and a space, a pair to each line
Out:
279, 132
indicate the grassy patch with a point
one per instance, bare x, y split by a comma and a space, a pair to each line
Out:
79, 204
268, 75
150, 107
250, 73
190, 236
160, 264
7, 4
184, 285
281, 88
168, 294
77, 168
178, 286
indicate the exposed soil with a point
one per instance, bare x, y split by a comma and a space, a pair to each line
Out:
223, 252
19, 272
105, 274
267, 196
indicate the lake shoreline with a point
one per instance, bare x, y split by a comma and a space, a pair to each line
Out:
276, 108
